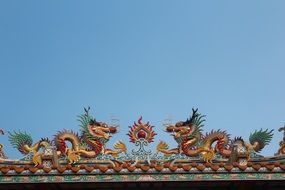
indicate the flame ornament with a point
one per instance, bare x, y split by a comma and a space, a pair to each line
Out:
141, 130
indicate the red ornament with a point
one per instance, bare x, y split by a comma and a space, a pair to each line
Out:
141, 134
141, 130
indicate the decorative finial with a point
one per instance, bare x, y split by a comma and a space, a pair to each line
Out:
281, 149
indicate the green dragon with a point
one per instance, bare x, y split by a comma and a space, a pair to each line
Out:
91, 142
191, 141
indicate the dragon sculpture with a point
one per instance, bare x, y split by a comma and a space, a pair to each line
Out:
281, 150
192, 142
89, 144
2, 154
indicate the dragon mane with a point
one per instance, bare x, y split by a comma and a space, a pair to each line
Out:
197, 121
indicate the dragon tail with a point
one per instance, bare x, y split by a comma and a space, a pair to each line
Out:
21, 140
259, 139
69, 136
221, 137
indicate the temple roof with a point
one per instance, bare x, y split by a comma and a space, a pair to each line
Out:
199, 156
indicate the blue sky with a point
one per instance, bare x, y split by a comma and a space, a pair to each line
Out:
155, 59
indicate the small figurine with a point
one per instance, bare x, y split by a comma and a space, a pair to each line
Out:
281, 150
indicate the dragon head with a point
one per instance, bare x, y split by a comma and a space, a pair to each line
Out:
95, 130
100, 129
187, 129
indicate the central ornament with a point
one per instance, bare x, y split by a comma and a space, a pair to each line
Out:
141, 130
141, 134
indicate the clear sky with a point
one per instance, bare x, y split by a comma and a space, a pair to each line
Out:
155, 59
